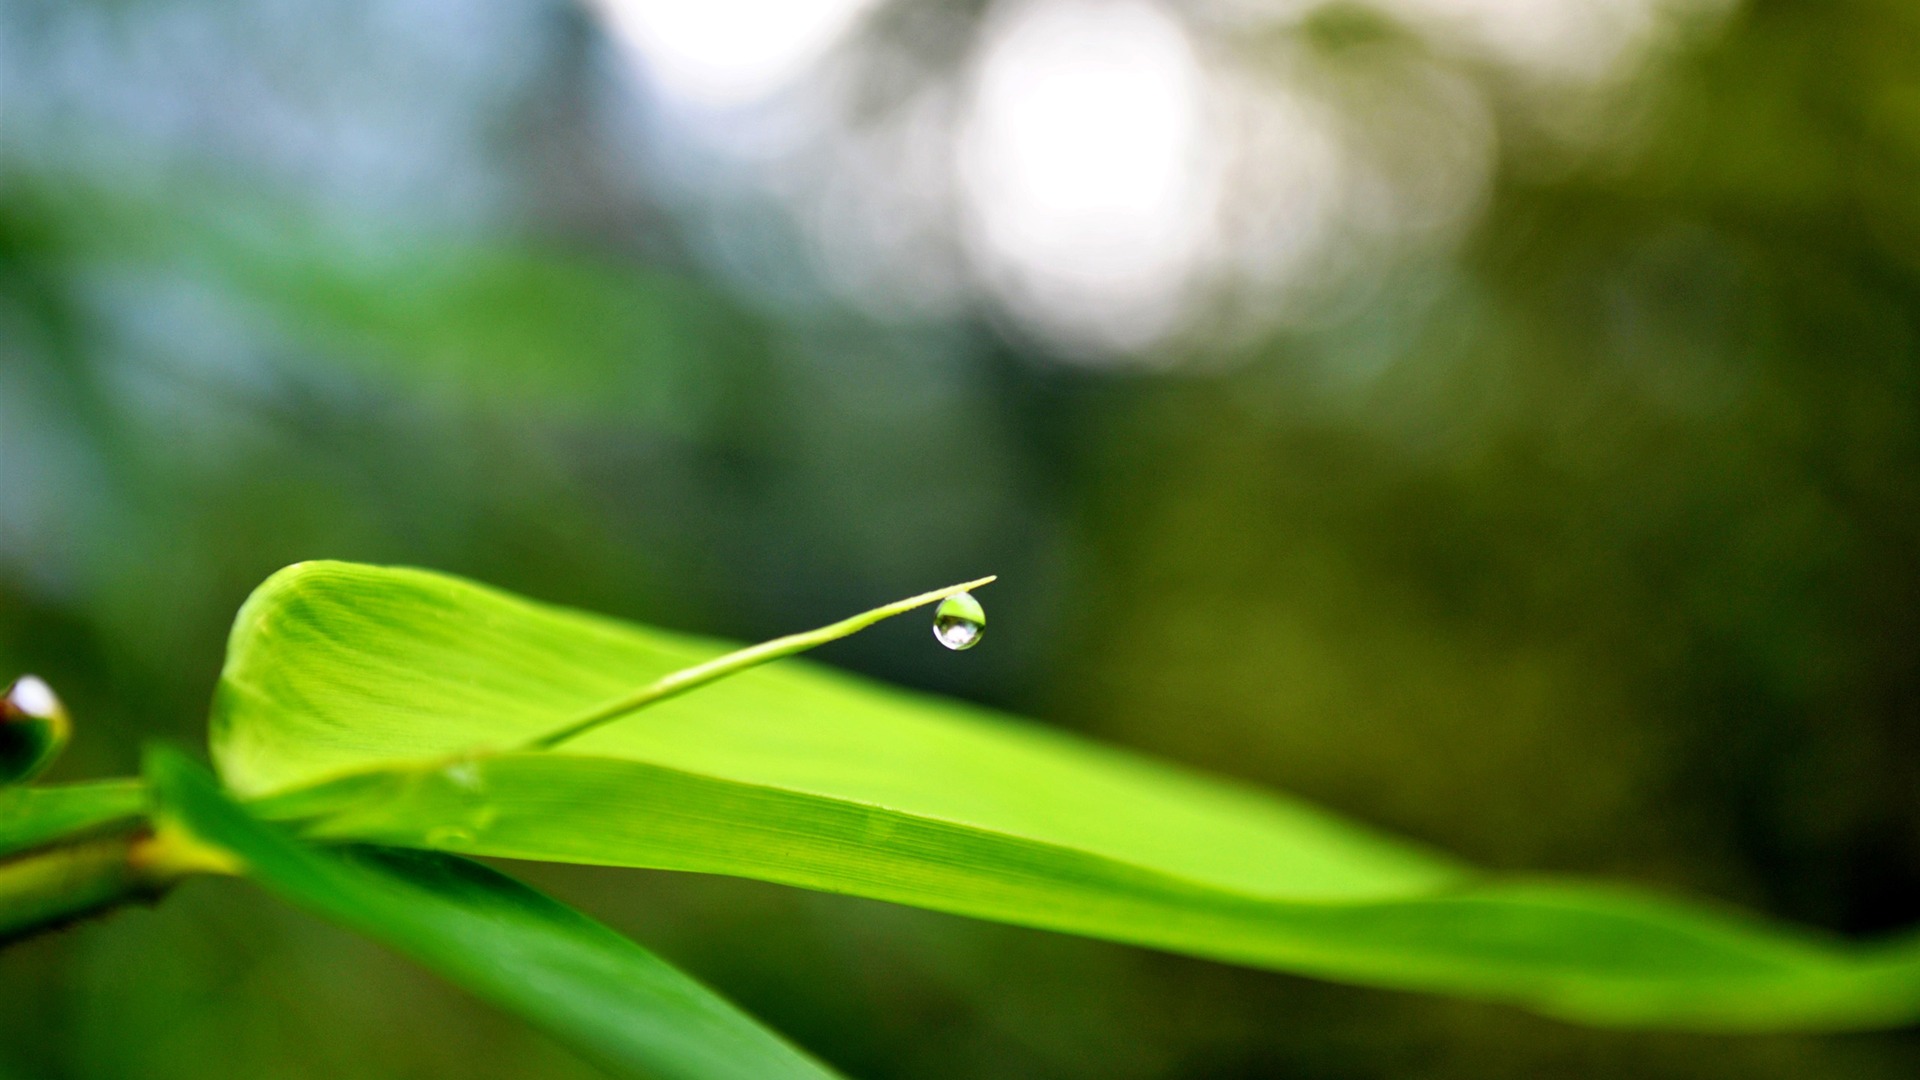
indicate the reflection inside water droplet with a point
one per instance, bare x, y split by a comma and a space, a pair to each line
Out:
959, 621
31, 696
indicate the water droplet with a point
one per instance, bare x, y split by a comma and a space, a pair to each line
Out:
453, 836
34, 728
959, 621
464, 775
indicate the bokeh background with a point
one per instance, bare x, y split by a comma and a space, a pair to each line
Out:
1498, 420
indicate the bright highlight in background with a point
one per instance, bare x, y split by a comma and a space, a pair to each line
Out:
1079, 159
727, 53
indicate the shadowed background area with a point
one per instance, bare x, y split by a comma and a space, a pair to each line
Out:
1496, 420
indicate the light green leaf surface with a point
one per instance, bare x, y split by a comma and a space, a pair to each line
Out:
594, 990
32, 816
362, 701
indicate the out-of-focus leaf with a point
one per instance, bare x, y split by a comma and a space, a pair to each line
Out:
32, 816
516, 325
361, 701
613, 1001
512, 326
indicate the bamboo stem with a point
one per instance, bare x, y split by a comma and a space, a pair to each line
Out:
735, 662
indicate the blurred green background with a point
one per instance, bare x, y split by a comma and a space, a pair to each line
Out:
1498, 420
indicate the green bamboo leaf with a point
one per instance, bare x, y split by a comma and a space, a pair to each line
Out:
611, 1000
33, 816
366, 703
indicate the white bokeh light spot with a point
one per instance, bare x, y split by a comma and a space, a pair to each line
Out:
721, 54
1080, 163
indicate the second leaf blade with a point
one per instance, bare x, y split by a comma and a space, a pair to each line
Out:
594, 990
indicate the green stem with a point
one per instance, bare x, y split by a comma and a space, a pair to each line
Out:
735, 662
48, 889
55, 887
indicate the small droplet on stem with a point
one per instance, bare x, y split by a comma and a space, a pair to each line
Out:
959, 621
34, 728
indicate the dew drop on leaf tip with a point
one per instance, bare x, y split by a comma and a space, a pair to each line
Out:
959, 621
